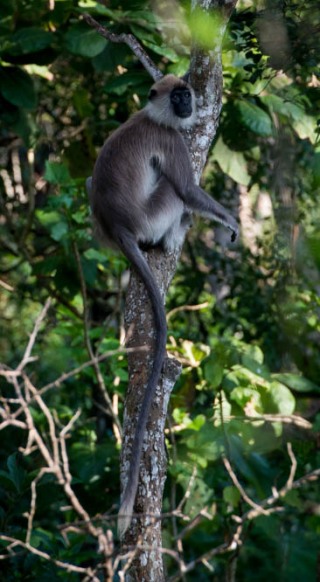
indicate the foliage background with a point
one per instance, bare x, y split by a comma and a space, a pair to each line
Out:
250, 349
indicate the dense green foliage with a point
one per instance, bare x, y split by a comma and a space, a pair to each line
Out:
251, 356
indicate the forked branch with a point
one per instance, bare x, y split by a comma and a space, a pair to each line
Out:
129, 40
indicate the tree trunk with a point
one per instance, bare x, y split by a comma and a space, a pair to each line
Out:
145, 531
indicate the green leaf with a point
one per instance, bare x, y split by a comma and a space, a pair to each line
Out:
245, 397
255, 118
95, 255
205, 27
81, 101
120, 84
278, 399
282, 106
59, 230
213, 371
297, 383
16, 472
57, 173
17, 87
162, 50
254, 353
222, 409
84, 41
204, 445
231, 495
305, 127
232, 163
197, 423
252, 358
30, 40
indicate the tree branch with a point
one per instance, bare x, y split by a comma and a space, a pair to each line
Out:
129, 40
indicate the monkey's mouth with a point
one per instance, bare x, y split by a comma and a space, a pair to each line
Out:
184, 114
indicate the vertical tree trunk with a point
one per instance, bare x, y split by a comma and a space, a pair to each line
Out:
148, 564
206, 78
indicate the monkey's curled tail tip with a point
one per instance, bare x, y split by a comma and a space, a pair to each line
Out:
124, 517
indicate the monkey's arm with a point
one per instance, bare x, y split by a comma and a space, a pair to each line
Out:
178, 171
201, 203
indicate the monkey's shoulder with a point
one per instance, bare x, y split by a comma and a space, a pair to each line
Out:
140, 129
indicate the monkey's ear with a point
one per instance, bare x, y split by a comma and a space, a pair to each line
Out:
186, 77
152, 93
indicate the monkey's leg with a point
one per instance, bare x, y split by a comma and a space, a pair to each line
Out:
174, 237
162, 214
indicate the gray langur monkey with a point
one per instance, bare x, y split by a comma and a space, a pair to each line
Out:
143, 192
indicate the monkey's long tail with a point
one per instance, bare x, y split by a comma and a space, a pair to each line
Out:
132, 251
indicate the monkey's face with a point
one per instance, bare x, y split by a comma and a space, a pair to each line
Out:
181, 100
172, 103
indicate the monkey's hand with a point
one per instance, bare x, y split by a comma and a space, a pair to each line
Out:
234, 233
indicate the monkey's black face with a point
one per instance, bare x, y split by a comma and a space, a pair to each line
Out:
181, 100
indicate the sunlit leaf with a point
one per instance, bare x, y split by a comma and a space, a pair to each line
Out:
205, 27
305, 127
231, 162
213, 371
297, 383
255, 118
279, 399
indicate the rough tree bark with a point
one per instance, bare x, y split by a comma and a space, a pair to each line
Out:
145, 531
206, 78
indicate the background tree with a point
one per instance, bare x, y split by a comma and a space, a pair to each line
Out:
241, 498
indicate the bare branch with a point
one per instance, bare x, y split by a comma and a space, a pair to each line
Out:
243, 494
129, 40
188, 490
187, 308
33, 336
43, 471
117, 429
65, 565
293, 466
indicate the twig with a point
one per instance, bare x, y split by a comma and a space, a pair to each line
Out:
56, 462
62, 441
33, 504
263, 508
194, 522
6, 286
276, 495
129, 40
293, 466
27, 546
188, 490
187, 308
33, 336
117, 429
238, 485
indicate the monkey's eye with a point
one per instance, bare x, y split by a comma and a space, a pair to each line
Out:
187, 94
175, 98
152, 93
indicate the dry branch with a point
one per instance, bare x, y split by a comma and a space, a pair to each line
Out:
132, 43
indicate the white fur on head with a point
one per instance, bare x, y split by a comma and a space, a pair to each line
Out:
159, 108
